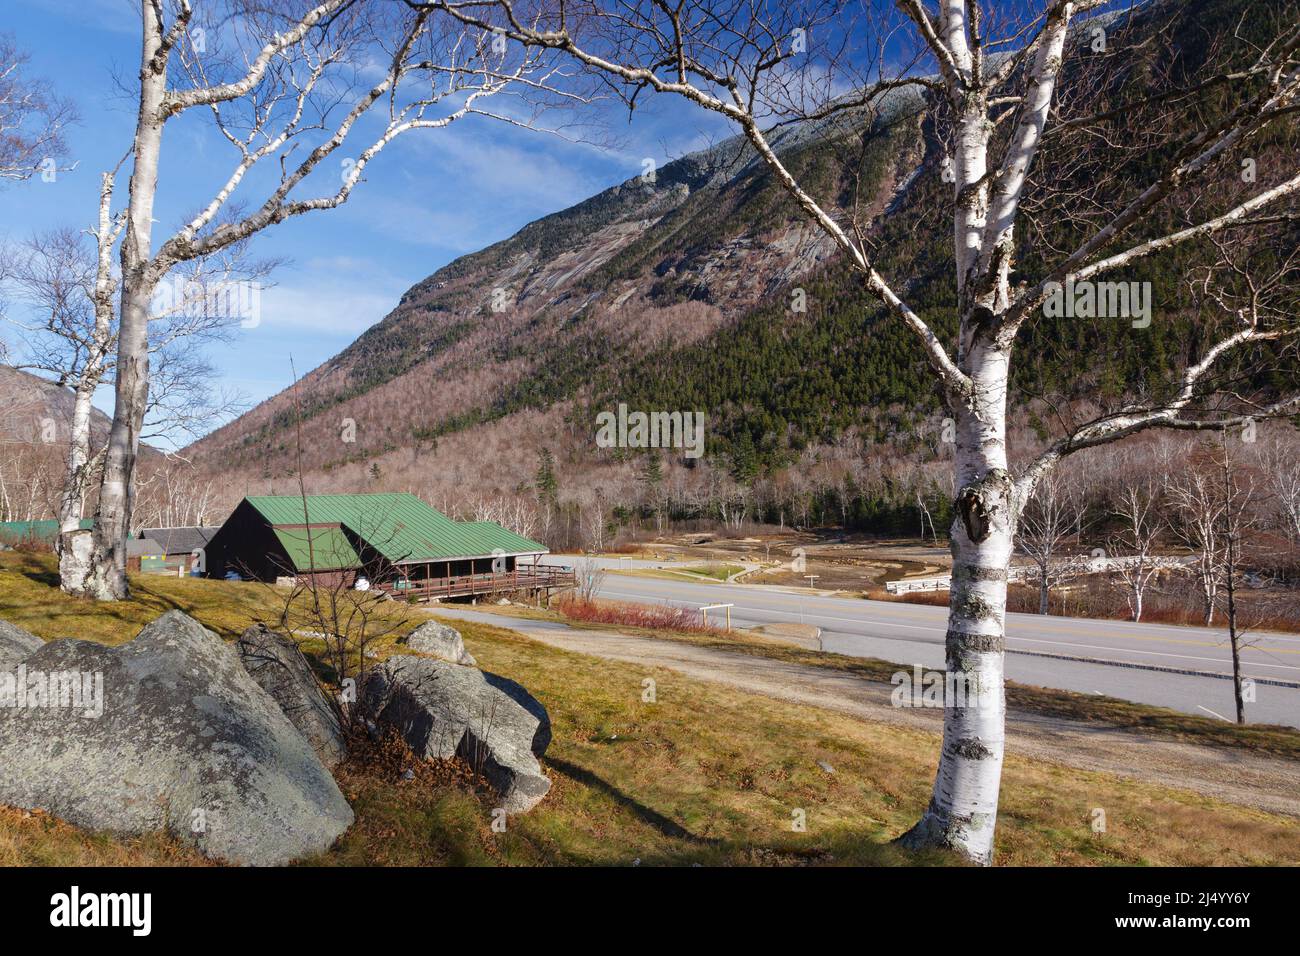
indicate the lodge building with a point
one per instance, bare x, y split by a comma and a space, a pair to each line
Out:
396, 542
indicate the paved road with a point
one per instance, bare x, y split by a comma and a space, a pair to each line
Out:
1038, 647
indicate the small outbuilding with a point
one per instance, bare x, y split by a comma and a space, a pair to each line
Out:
168, 550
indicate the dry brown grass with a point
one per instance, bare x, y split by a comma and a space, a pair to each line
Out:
703, 774
33, 838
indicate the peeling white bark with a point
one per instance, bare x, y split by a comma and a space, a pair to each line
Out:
76, 547
963, 808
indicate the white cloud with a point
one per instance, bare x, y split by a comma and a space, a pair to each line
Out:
452, 231
336, 301
118, 16
495, 162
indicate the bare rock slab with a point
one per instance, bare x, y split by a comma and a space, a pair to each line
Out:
443, 709
181, 739
277, 664
16, 644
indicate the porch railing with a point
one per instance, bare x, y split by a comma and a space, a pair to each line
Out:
530, 578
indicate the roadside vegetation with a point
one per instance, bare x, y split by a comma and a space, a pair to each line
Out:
1274, 611
701, 774
654, 617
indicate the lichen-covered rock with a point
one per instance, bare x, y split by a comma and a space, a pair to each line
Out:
442, 709
440, 641
168, 732
519, 694
277, 664
16, 644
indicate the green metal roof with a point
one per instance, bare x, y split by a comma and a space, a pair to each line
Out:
317, 549
401, 527
499, 538
44, 530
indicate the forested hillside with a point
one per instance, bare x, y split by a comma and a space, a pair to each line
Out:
705, 289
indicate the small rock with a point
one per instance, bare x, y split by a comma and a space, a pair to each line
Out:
519, 694
825, 766
440, 641
443, 709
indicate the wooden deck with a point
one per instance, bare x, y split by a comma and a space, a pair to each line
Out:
531, 578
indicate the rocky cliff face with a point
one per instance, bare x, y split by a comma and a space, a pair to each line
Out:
500, 346
37, 410
678, 292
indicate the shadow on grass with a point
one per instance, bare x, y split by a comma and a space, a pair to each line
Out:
45, 577
652, 818
840, 846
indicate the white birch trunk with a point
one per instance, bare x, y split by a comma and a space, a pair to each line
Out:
74, 545
72, 501
105, 565
963, 807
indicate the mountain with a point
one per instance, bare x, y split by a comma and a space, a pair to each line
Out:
36, 410
35, 426
678, 294
502, 334
35, 418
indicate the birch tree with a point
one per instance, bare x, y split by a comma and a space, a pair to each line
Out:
989, 91
32, 119
1045, 527
1220, 500
67, 283
1137, 505
72, 338
1199, 528
1239, 490
1281, 462
306, 95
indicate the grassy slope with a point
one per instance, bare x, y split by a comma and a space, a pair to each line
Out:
713, 572
705, 774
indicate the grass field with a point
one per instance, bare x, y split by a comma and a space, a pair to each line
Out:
705, 572
702, 774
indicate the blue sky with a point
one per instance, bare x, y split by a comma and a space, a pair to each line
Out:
431, 196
